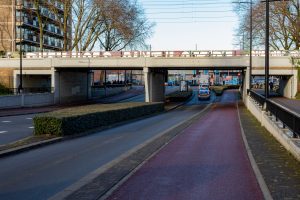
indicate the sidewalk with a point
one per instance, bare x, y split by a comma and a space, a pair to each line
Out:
280, 170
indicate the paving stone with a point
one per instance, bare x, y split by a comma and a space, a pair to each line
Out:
279, 168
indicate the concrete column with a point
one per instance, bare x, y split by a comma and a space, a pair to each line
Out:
73, 86
146, 72
89, 84
157, 86
246, 84
55, 80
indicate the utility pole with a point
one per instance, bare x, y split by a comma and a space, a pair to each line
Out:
20, 87
251, 40
298, 25
267, 56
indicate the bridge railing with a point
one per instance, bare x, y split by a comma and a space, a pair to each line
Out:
288, 117
156, 54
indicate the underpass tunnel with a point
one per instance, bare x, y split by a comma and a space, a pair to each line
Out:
34, 81
157, 79
282, 85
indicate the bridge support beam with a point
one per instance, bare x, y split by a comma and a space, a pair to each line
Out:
154, 85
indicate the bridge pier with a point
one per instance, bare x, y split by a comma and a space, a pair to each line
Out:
72, 85
154, 84
288, 86
246, 82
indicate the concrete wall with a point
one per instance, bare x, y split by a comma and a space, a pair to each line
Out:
72, 86
275, 128
26, 100
288, 86
100, 92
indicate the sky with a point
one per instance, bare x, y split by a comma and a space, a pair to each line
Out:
191, 24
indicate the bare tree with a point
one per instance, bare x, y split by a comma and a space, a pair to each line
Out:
87, 25
124, 24
284, 30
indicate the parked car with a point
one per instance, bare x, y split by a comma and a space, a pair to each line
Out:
203, 93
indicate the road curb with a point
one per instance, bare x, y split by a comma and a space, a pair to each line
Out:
262, 184
28, 147
93, 186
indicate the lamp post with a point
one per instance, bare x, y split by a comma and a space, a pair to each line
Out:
20, 87
251, 40
267, 55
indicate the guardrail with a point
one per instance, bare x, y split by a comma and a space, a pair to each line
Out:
260, 99
288, 117
158, 54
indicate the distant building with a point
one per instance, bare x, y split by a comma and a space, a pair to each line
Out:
17, 14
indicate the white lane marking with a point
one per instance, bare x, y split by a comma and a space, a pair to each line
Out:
2, 132
31, 127
6, 121
28, 118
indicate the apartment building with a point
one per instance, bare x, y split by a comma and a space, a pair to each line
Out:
19, 24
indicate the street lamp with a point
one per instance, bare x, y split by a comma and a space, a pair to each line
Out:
20, 87
267, 55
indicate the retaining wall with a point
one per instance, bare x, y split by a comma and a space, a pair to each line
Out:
26, 100
282, 135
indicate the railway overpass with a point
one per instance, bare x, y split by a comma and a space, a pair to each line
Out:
71, 71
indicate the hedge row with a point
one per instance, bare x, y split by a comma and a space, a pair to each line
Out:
79, 119
179, 96
220, 89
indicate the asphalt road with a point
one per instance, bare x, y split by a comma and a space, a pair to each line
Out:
13, 128
292, 104
43, 172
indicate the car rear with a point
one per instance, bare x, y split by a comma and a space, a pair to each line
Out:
204, 94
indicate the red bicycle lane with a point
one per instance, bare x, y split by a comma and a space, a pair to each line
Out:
207, 161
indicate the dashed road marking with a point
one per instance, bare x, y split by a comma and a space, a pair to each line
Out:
6, 121
28, 118
2, 132
31, 127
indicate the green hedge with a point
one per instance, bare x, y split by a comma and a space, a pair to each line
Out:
220, 89
80, 119
179, 96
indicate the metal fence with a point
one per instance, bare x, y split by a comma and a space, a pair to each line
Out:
288, 117
260, 99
